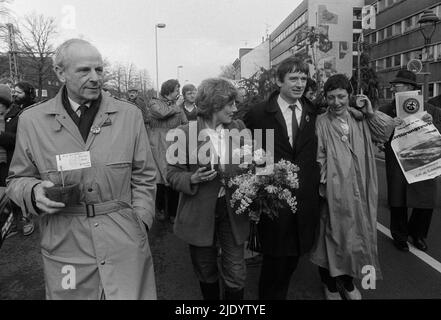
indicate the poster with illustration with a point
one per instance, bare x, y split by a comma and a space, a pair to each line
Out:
417, 147
409, 103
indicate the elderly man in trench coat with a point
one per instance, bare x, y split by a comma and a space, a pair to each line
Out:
97, 248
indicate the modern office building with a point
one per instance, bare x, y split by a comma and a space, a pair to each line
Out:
252, 62
397, 39
338, 20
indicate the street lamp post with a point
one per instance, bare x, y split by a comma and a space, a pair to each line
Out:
360, 49
161, 26
177, 69
427, 28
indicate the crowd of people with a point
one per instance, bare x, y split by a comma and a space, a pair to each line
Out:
129, 182
12, 102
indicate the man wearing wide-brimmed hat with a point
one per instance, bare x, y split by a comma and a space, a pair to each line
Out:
420, 195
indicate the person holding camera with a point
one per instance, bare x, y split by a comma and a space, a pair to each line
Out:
347, 239
205, 219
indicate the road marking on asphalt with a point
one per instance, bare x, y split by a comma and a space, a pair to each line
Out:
420, 254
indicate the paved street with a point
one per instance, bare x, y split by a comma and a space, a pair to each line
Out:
406, 276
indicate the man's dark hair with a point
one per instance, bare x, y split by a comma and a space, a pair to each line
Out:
29, 92
291, 65
337, 81
169, 86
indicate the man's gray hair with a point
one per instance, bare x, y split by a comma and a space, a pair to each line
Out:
59, 59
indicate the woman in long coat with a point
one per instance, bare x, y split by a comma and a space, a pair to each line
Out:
165, 115
347, 239
204, 218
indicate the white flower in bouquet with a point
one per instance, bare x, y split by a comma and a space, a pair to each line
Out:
259, 157
244, 165
271, 189
243, 156
256, 195
247, 151
289, 198
292, 180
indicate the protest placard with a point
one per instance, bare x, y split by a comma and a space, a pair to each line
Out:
417, 146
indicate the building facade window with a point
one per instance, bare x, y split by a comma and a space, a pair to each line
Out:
389, 31
389, 94
357, 14
417, 54
406, 58
293, 26
437, 52
380, 64
396, 29
409, 24
389, 62
397, 60
438, 88
380, 5
430, 53
437, 10
431, 89
380, 35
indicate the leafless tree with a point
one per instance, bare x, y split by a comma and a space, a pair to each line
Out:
119, 77
35, 36
145, 81
129, 72
228, 71
4, 15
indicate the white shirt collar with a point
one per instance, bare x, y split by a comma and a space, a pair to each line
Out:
76, 105
190, 108
284, 105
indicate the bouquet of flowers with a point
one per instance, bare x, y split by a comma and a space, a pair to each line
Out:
256, 191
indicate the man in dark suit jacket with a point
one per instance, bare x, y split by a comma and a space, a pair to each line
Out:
292, 117
435, 101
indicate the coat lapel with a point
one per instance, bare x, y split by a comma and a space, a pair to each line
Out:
307, 114
105, 111
62, 119
307, 117
274, 110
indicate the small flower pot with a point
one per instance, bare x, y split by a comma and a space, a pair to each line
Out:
69, 195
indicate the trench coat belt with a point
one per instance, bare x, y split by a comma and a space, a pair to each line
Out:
91, 210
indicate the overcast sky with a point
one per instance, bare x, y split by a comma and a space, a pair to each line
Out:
201, 35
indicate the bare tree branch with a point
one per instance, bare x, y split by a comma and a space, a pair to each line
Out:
35, 37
